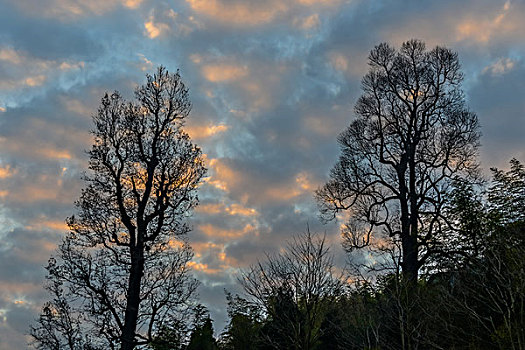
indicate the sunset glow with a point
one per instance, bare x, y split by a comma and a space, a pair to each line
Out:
272, 84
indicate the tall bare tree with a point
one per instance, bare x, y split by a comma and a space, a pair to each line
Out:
122, 270
412, 136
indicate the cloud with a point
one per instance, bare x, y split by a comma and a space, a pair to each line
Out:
6, 172
199, 132
308, 23
250, 87
470, 23
44, 39
70, 9
37, 138
220, 208
45, 224
223, 72
251, 13
319, 2
163, 21
153, 29
272, 85
495, 98
483, 28
501, 66
321, 125
23, 71
221, 234
10, 55
132, 4
239, 13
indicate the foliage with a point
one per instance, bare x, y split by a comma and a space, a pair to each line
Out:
293, 290
244, 329
472, 297
201, 337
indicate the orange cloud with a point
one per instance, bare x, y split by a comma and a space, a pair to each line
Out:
239, 13
321, 125
220, 233
204, 131
71, 65
211, 209
201, 247
198, 266
69, 9
482, 30
233, 209
223, 72
155, 29
6, 172
226, 178
46, 151
257, 84
48, 225
132, 4
282, 193
319, 2
303, 181
36, 80
302, 184
222, 175
43, 188
76, 106
236, 209
252, 13
146, 64
44, 139
212, 252
10, 55
34, 193
470, 24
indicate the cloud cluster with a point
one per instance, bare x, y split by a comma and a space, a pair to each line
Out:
272, 84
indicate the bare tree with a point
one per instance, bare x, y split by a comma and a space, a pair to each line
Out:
412, 137
123, 265
293, 289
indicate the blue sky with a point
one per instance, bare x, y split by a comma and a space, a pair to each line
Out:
272, 84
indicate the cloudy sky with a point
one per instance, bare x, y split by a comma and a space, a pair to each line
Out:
272, 83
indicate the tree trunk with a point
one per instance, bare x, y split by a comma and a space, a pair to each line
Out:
410, 239
133, 298
410, 261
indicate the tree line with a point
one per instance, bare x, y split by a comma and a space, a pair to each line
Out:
435, 252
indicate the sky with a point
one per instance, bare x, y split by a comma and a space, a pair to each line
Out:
272, 83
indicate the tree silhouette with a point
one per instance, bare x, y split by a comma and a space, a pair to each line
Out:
201, 337
412, 137
243, 332
293, 289
123, 266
